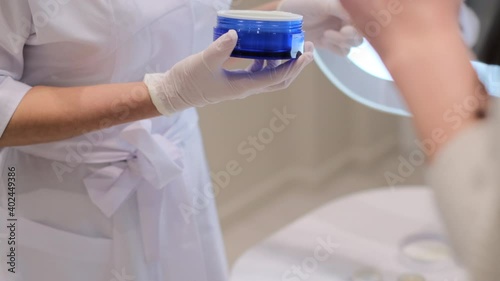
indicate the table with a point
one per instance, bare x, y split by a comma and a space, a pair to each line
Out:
385, 234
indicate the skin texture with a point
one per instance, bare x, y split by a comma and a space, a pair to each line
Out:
48, 114
69, 112
423, 49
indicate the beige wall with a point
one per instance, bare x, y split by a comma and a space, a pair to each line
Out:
330, 132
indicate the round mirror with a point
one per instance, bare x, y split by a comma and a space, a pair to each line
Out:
363, 76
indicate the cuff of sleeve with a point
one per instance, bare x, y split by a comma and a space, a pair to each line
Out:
11, 94
154, 83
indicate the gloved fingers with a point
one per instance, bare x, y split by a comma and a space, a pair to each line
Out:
334, 37
294, 67
354, 36
257, 82
348, 35
220, 50
281, 86
342, 51
308, 48
291, 78
339, 49
335, 8
289, 70
341, 42
331, 23
260, 80
257, 65
273, 64
271, 67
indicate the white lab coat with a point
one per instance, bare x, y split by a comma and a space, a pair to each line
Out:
127, 203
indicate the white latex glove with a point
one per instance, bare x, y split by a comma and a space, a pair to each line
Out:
326, 24
200, 80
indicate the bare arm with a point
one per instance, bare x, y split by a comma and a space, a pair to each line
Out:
50, 114
424, 51
440, 86
44, 114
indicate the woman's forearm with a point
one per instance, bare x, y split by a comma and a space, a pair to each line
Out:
440, 86
49, 114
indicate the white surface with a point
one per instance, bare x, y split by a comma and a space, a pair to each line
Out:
368, 229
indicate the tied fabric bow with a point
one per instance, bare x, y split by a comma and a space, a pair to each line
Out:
156, 163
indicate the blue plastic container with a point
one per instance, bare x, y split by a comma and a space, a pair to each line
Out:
263, 35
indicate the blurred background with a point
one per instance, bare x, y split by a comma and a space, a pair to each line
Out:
333, 147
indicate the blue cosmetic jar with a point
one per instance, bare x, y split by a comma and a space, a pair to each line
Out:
270, 35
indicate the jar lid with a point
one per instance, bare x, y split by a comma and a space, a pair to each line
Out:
260, 15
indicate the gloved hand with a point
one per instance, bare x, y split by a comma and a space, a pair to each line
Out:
326, 24
200, 80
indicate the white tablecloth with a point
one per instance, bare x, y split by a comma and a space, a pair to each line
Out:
358, 235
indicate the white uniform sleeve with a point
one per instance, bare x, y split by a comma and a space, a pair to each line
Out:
15, 26
466, 179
